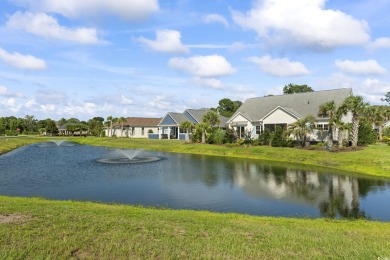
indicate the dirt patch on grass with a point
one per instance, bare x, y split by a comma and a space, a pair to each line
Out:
14, 218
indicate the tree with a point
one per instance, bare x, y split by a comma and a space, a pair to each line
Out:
387, 97
328, 110
109, 123
227, 107
211, 119
356, 106
293, 88
202, 127
122, 120
301, 128
51, 127
187, 125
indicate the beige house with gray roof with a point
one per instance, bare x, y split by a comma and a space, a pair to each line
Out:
257, 114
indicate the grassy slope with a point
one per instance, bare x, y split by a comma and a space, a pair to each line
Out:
65, 229
88, 230
373, 160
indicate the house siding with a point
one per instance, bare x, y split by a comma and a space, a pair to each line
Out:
279, 117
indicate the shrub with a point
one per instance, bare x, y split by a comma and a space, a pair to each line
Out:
230, 135
266, 137
279, 138
217, 136
386, 131
366, 135
150, 131
11, 132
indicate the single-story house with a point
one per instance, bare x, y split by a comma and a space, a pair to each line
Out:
169, 127
70, 128
134, 127
260, 113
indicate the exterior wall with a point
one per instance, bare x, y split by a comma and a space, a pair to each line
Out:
127, 131
279, 117
168, 121
240, 121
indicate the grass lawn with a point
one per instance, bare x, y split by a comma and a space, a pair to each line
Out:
34, 228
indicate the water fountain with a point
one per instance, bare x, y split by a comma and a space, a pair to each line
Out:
128, 156
57, 142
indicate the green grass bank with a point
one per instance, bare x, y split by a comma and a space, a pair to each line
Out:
35, 228
373, 160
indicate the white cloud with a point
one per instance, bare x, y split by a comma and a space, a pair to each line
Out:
207, 82
22, 61
368, 67
203, 66
3, 90
371, 89
88, 108
47, 26
166, 41
215, 18
379, 43
126, 9
279, 67
304, 23
125, 100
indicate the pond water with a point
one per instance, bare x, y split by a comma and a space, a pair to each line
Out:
181, 181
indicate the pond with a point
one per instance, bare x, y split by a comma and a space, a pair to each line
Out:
182, 181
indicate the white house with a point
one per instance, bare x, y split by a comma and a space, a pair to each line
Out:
134, 127
257, 114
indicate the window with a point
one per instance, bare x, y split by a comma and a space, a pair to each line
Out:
143, 131
258, 129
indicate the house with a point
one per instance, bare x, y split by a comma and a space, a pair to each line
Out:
134, 127
170, 124
71, 128
260, 113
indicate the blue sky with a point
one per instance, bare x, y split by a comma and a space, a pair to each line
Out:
72, 58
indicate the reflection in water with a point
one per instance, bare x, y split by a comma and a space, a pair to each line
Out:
183, 181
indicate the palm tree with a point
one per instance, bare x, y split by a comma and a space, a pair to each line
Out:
209, 120
340, 126
328, 110
203, 128
301, 128
114, 120
187, 125
122, 120
109, 122
355, 105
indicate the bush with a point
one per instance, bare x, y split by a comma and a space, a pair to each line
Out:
230, 135
279, 138
217, 136
266, 137
386, 131
11, 133
386, 139
196, 136
366, 135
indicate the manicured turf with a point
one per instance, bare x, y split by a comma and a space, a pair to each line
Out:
39, 228
34, 228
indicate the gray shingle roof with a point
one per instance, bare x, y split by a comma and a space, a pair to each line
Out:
302, 104
178, 117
